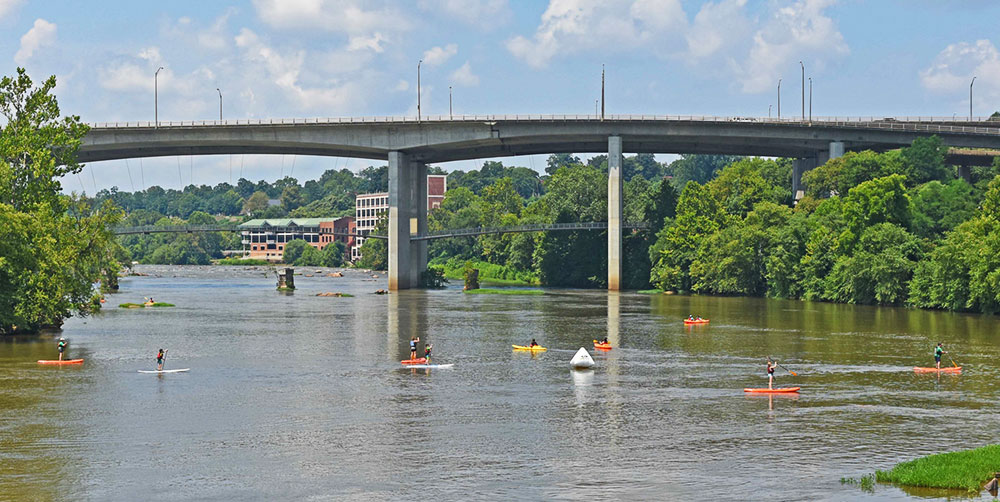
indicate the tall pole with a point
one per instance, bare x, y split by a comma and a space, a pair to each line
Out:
597, 107
970, 98
769, 111
810, 99
418, 89
602, 91
451, 116
803, 91
220, 103
779, 98
156, 97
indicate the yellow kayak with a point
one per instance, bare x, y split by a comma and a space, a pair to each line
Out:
536, 348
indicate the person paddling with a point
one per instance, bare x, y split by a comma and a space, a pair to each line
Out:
61, 346
427, 352
937, 354
159, 359
413, 347
533, 343
771, 365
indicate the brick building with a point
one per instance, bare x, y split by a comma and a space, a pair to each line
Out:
266, 239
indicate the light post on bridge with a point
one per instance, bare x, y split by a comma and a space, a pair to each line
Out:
220, 103
418, 89
451, 116
803, 91
810, 100
769, 111
602, 91
156, 97
779, 99
970, 98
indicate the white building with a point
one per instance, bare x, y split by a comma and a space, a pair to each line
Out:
370, 207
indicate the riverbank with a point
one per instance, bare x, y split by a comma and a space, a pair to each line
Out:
491, 273
967, 470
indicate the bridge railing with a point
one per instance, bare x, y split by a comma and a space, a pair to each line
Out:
895, 122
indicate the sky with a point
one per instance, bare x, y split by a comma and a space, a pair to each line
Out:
335, 58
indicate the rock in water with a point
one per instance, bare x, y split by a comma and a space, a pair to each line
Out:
582, 359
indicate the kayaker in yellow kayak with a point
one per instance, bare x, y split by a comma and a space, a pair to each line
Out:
771, 365
937, 354
61, 346
533, 343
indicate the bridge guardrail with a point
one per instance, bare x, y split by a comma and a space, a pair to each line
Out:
892, 123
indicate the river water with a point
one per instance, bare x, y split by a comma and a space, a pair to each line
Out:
299, 397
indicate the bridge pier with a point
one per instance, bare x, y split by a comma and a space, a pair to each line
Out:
615, 210
407, 216
802, 165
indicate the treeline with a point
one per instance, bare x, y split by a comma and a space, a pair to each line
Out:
894, 228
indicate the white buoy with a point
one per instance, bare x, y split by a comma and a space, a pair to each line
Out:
582, 359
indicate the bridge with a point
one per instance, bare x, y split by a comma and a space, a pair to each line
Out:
409, 144
443, 234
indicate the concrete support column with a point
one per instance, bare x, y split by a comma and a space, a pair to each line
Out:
615, 210
799, 167
965, 173
400, 212
418, 221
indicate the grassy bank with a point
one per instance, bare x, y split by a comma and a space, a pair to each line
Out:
488, 273
488, 291
968, 470
242, 261
650, 291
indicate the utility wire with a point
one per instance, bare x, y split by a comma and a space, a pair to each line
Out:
130, 182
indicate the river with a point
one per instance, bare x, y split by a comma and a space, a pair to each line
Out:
299, 397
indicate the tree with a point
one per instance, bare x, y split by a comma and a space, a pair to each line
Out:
699, 168
333, 254
291, 197
698, 215
560, 160
375, 252
880, 269
255, 203
881, 200
53, 248
924, 159
294, 250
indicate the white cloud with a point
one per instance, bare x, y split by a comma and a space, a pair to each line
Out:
569, 26
716, 28
42, 34
800, 31
953, 69
7, 6
402, 85
439, 55
464, 76
482, 13
343, 16
373, 43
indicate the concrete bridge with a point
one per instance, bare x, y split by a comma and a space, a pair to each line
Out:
409, 144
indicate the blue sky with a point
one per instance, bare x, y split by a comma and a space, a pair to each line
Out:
320, 58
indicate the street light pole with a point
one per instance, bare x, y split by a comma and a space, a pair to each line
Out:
970, 98
451, 116
220, 104
418, 89
769, 111
803, 90
602, 91
779, 98
156, 97
810, 99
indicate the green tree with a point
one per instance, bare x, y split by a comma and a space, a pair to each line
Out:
291, 197
375, 252
699, 168
924, 160
881, 200
294, 250
880, 269
698, 215
558, 161
333, 254
255, 203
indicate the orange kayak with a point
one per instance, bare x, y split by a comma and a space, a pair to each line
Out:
696, 321
952, 369
774, 391
64, 361
421, 360
603, 346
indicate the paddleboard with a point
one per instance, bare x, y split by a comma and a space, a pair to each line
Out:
420, 360
536, 348
774, 391
64, 361
165, 371
431, 365
918, 369
582, 359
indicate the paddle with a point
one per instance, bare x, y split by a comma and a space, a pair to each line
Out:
784, 368
952, 362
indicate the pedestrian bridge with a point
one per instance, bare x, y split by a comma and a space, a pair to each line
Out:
410, 143
443, 234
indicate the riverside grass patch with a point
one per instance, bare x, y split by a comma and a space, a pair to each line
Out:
489, 291
968, 470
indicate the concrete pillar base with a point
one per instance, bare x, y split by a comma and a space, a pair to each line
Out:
407, 216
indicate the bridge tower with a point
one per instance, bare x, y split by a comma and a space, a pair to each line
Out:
615, 208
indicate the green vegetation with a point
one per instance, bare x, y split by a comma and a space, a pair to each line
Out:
242, 261
53, 248
488, 291
866, 482
488, 272
968, 470
433, 277
650, 291
300, 253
